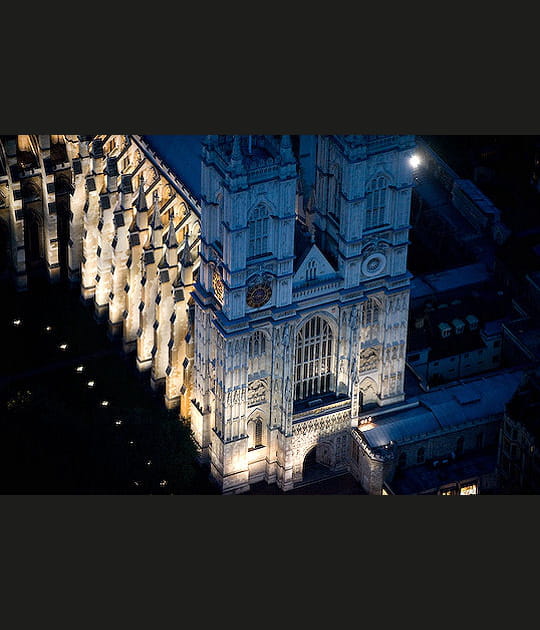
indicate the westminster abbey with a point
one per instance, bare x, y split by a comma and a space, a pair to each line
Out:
269, 302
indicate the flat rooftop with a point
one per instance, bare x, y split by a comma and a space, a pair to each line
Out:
448, 406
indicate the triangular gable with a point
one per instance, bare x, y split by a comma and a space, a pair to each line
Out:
314, 266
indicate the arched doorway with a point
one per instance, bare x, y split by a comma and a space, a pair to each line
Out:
317, 462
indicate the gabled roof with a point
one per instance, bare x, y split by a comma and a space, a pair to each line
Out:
323, 267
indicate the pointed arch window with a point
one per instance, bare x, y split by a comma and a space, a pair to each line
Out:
370, 313
258, 433
255, 433
256, 352
311, 270
376, 201
259, 225
314, 359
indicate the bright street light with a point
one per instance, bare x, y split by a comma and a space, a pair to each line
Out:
415, 161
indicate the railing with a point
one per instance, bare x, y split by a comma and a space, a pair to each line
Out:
310, 291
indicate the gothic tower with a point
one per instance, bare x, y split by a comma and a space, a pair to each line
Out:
360, 217
242, 297
300, 312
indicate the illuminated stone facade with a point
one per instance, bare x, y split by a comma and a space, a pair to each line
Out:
272, 311
299, 324
105, 212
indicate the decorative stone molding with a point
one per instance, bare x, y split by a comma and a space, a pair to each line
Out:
257, 392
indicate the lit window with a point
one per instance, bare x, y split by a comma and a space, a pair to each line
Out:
376, 202
448, 491
313, 368
470, 488
258, 231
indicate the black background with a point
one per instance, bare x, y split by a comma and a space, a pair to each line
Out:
439, 69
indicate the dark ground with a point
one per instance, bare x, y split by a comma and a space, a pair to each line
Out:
340, 484
56, 436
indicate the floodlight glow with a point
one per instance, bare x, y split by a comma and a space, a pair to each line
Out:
63, 346
163, 483
17, 322
118, 422
415, 161
79, 368
104, 403
91, 383
48, 328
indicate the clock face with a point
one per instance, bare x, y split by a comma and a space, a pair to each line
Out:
258, 294
374, 265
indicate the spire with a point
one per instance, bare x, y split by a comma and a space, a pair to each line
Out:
155, 223
170, 245
236, 156
285, 150
155, 220
185, 277
140, 201
169, 239
140, 216
185, 254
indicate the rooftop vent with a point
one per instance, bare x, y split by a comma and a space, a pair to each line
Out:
472, 320
445, 329
459, 325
